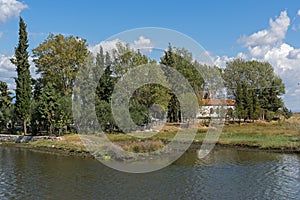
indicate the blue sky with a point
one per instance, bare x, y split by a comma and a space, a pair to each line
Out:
266, 30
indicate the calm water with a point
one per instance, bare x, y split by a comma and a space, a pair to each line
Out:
225, 174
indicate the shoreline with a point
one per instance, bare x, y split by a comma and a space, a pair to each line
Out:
195, 146
48, 150
279, 137
245, 147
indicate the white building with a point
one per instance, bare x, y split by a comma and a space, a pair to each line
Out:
212, 108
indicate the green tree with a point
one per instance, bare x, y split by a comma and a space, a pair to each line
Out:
139, 113
106, 83
169, 59
151, 94
37, 122
287, 113
5, 104
58, 60
256, 88
105, 117
84, 96
104, 91
239, 107
182, 61
23, 80
123, 59
48, 106
63, 114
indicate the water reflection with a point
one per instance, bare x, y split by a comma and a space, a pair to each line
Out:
245, 174
224, 174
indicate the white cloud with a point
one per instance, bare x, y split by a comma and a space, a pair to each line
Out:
5, 64
205, 58
268, 45
143, 44
276, 33
32, 68
10, 9
107, 46
221, 61
298, 13
8, 71
294, 54
1, 34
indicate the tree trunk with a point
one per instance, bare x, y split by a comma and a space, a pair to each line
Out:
50, 129
24, 126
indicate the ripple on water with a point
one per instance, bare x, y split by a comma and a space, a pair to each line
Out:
224, 174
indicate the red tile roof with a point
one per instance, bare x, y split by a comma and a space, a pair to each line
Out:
217, 102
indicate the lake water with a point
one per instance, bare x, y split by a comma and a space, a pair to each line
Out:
224, 174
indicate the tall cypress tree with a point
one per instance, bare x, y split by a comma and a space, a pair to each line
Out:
169, 59
23, 80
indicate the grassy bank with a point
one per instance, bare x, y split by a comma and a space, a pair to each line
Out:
283, 136
272, 135
67, 142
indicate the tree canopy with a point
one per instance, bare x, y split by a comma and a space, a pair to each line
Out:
256, 88
58, 60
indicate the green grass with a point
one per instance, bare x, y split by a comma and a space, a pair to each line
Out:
260, 140
274, 135
69, 143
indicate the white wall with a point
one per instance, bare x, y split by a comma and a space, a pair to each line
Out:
205, 111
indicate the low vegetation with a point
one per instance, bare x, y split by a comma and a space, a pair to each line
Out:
280, 135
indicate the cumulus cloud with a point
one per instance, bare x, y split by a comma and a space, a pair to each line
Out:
143, 44
298, 13
10, 9
8, 71
5, 64
276, 33
294, 54
208, 58
269, 45
107, 46
221, 61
